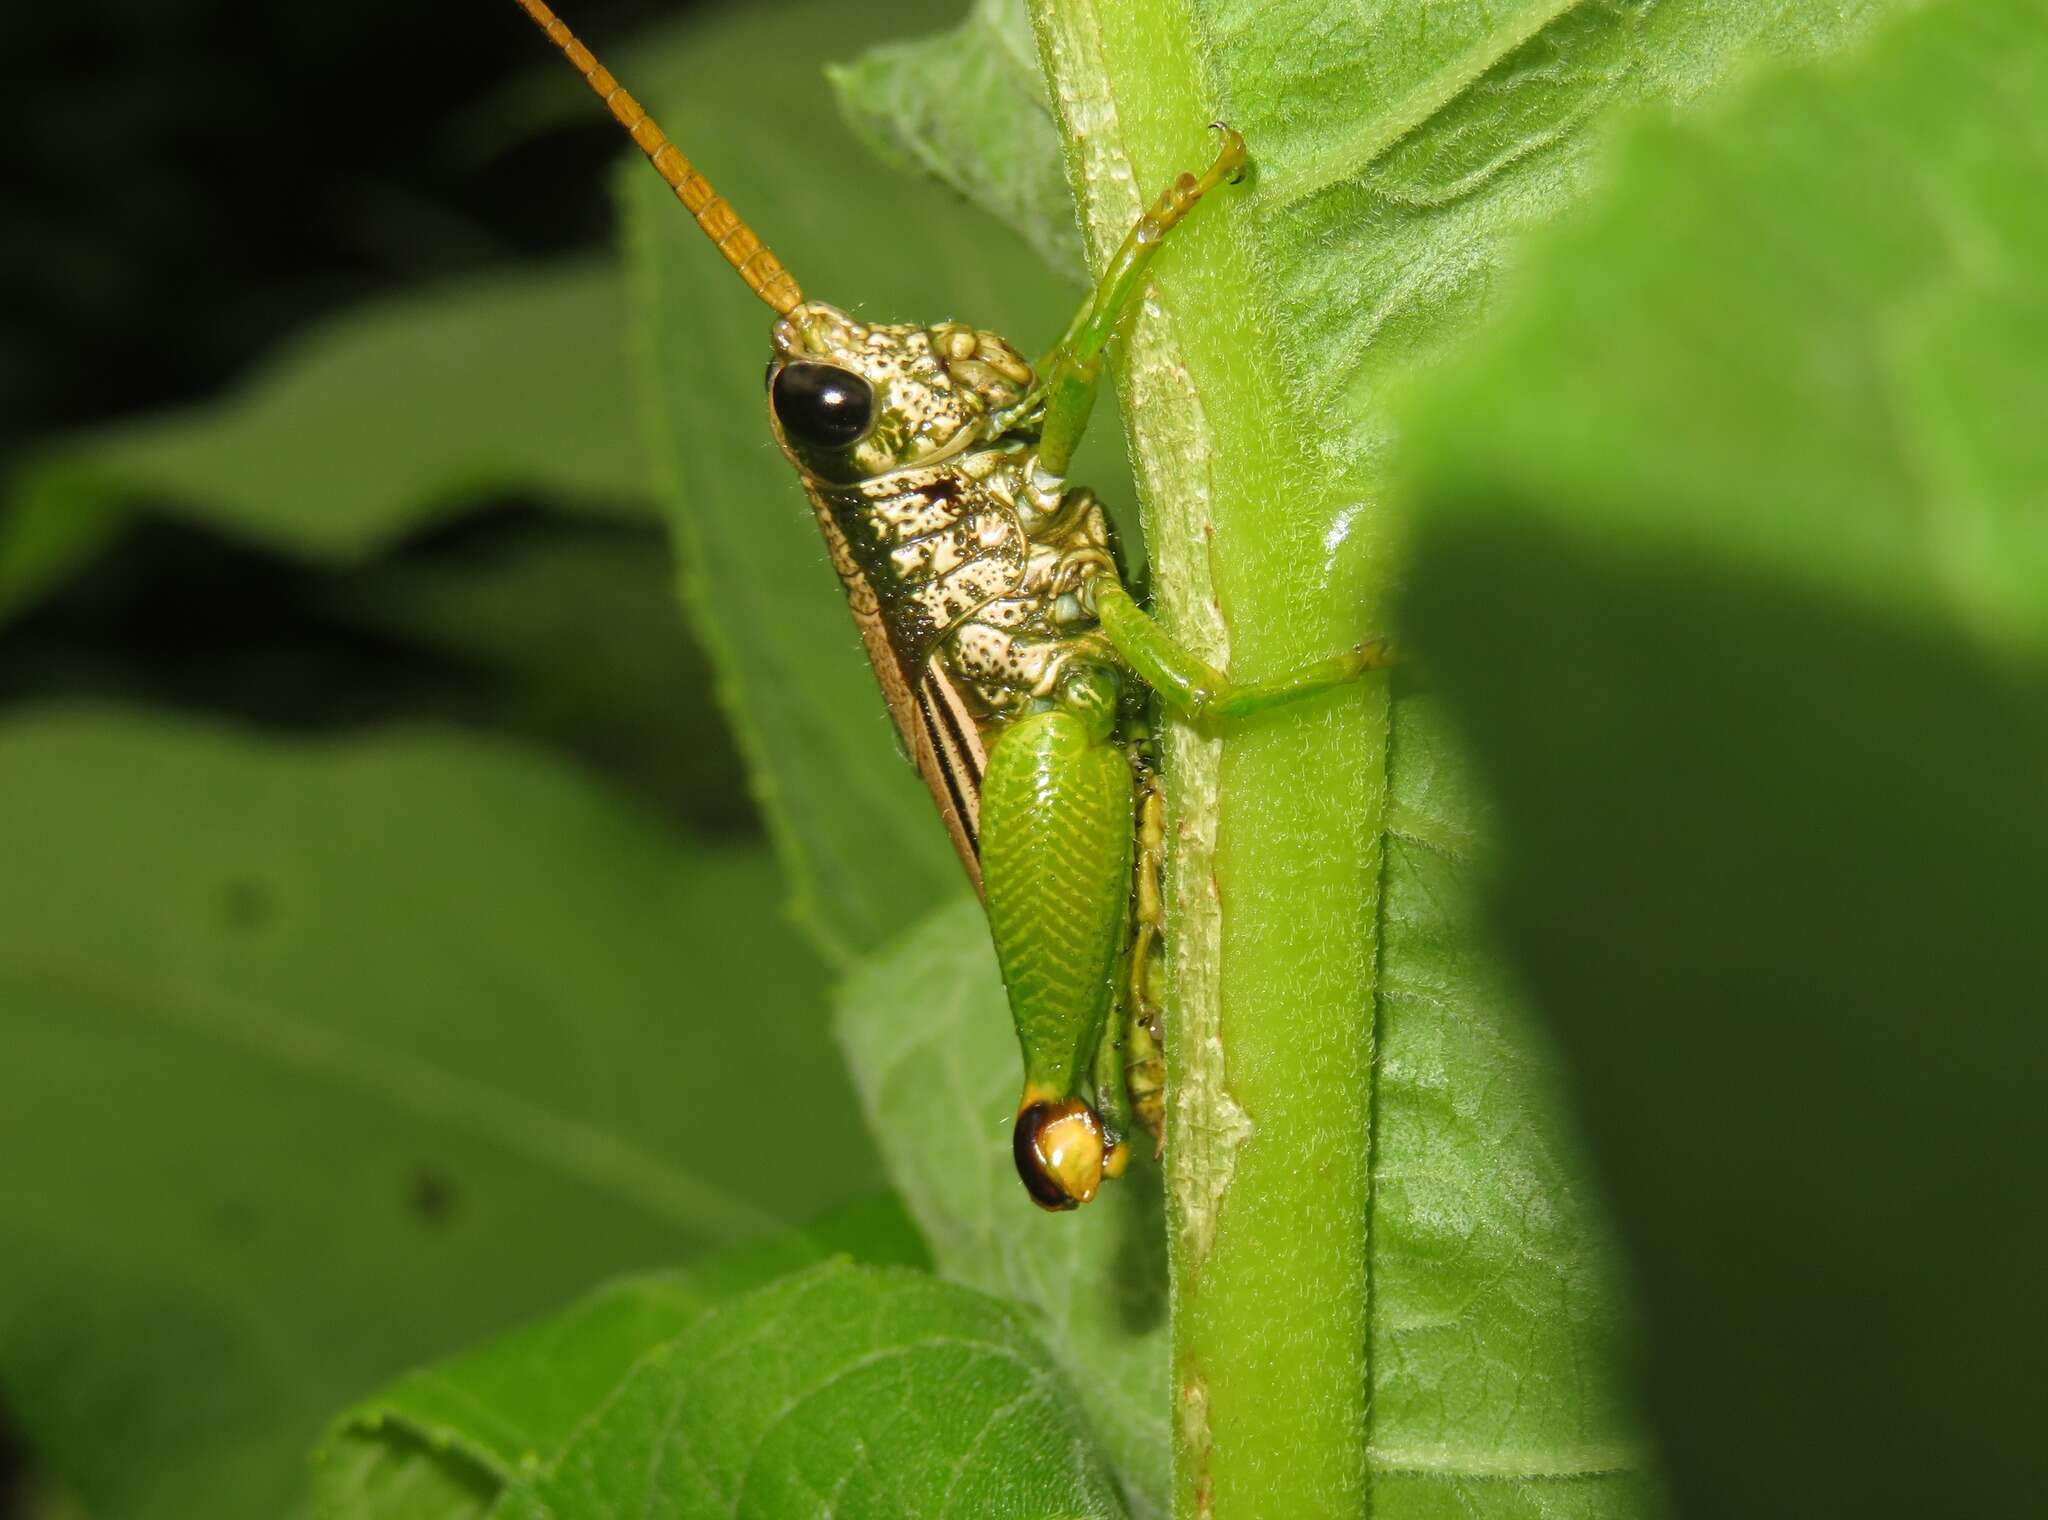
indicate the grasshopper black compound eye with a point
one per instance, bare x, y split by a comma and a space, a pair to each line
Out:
822, 404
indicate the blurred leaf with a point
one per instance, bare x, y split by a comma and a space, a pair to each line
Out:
968, 108
855, 827
44, 540
567, 632
34, 1495
377, 423
332, 1058
449, 1439
854, 1391
1738, 591
927, 1034
557, 629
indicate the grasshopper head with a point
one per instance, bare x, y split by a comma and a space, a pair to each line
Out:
849, 401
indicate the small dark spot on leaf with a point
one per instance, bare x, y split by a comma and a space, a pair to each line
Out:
432, 1196
247, 904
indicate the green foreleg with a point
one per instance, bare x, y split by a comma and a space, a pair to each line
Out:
1198, 689
1072, 372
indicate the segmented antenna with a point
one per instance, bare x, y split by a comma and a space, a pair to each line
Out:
762, 271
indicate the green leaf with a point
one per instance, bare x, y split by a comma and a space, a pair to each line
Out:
968, 107
858, 1391
450, 1439
869, 1393
383, 420
856, 829
1738, 593
927, 1034
324, 1059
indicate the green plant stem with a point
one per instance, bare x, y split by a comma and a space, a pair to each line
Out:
1275, 827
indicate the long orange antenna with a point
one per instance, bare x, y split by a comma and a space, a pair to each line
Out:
762, 271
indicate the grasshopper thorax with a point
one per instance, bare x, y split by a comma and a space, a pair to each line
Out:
849, 401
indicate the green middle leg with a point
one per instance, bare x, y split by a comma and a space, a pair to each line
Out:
1197, 689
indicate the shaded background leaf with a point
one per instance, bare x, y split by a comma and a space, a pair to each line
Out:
565, 632
44, 541
357, 1053
1763, 477
556, 629
386, 420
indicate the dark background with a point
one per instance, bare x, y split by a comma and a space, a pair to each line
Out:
189, 180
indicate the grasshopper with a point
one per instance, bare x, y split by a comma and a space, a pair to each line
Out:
1018, 668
